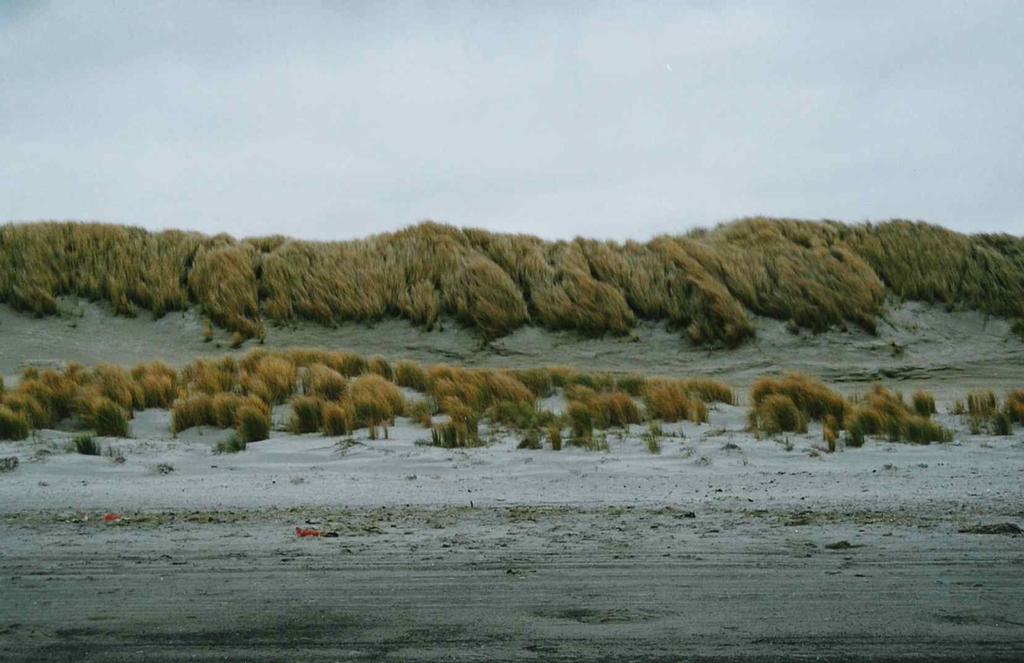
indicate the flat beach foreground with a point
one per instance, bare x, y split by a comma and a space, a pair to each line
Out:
720, 547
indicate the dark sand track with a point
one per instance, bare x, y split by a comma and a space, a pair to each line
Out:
496, 584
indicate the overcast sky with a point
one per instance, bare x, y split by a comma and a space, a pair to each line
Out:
334, 120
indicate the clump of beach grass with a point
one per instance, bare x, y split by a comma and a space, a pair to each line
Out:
13, 425
883, 412
107, 418
924, 403
777, 413
982, 403
555, 436
234, 443
305, 416
830, 432
87, 445
253, 423
810, 397
652, 437
1015, 405
336, 420
324, 382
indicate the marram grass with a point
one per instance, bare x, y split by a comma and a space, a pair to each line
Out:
706, 283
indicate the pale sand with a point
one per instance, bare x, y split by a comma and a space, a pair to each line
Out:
504, 554
917, 346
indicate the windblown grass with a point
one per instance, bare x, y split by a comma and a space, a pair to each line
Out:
324, 382
810, 397
338, 393
1015, 405
924, 403
777, 413
306, 414
605, 409
706, 283
981, 403
86, 445
883, 412
198, 410
336, 420
107, 418
788, 404
253, 423
13, 425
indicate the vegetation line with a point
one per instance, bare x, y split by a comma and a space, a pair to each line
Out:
337, 393
705, 283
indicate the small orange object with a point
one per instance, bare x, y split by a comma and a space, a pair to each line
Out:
111, 518
303, 532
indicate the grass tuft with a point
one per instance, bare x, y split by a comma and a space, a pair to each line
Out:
232, 445
305, 416
107, 418
776, 413
253, 423
336, 420
924, 403
13, 425
87, 445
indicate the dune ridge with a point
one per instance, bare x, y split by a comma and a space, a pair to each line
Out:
705, 283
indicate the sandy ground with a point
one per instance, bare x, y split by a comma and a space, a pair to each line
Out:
917, 345
720, 547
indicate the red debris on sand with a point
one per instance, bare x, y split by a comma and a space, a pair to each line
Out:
111, 518
302, 532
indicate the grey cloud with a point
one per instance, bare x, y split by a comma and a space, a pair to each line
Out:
611, 120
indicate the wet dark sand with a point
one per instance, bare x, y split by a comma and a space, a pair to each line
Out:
497, 584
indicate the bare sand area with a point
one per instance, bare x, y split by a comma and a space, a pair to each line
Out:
916, 345
719, 547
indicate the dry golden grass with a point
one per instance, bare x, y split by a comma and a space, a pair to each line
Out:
336, 420
675, 400
981, 403
461, 429
216, 392
830, 432
374, 401
1015, 405
38, 414
477, 388
198, 410
710, 391
924, 403
158, 383
813, 399
421, 412
883, 412
705, 283
106, 417
272, 379
306, 414
605, 409
325, 382
410, 374
381, 367
776, 413
13, 425
253, 423
223, 409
